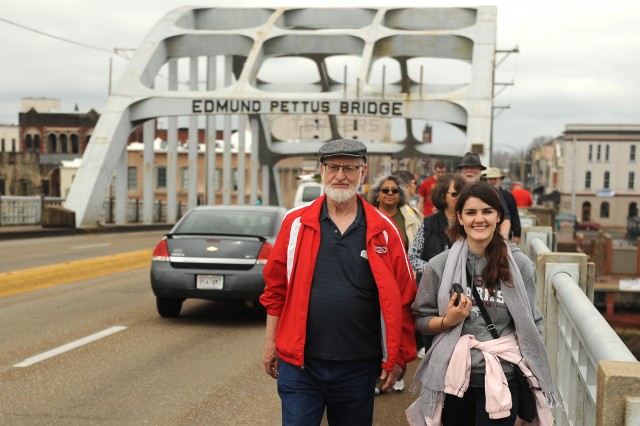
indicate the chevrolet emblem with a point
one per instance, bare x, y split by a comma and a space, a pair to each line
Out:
212, 248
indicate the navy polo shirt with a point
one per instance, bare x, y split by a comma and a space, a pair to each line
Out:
344, 311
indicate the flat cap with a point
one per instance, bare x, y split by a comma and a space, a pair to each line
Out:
471, 159
343, 147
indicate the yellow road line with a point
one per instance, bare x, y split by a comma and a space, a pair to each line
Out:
62, 273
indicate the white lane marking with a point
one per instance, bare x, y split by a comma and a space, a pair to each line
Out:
69, 346
89, 246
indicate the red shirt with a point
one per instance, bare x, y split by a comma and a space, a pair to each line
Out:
425, 192
523, 197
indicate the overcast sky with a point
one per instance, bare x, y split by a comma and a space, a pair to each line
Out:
578, 64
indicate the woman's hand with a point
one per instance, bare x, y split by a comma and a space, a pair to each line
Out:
456, 314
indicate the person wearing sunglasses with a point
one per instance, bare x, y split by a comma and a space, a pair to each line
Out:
338, 294
389, 195
431, 238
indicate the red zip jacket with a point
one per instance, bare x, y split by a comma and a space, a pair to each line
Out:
289, 272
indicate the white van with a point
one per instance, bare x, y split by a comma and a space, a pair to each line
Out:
306, 192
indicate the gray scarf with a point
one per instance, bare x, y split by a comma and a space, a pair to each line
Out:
429, 377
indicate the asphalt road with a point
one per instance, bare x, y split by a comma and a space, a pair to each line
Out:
202, 368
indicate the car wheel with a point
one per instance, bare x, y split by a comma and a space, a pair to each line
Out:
168, 308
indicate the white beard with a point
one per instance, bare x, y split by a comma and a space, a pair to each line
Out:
340, 195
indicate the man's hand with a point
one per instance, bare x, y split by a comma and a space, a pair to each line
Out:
270, 360
389, 378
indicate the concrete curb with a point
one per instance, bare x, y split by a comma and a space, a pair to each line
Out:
61, 273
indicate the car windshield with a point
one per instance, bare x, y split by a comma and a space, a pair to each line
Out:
228, 222
310, 193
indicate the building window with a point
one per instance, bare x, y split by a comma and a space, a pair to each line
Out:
52, 148
75, 145
13, 145
132, 178
586, 211
184, 178
598, 152
590, 152
28, 144
587, 180
36, 143
161, 177
604, 209
632, 178
63, 144
606, 153
632, 153
606, 180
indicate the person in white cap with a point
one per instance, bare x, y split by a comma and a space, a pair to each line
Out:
494, 176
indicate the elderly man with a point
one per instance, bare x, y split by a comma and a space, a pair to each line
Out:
471, 169
338, 296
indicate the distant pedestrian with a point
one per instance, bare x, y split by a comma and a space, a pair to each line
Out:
424, 203
522, 196
494, 176
410, 182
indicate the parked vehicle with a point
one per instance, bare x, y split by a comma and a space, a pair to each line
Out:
215, 253
589, 225
306, 192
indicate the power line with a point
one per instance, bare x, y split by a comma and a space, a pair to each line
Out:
66, 40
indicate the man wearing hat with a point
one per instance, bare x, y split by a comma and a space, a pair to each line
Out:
338, 296
471, 169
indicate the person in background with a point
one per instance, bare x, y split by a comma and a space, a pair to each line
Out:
522, 196
431, 238
424, 202
471, 168
410, 183
389, 195
338, 294
494, 176
471, 379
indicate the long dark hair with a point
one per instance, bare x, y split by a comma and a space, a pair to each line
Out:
497, 268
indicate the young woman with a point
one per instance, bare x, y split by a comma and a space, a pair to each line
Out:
468, 377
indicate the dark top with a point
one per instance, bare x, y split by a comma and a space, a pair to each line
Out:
344, 311
436, 239
512, 208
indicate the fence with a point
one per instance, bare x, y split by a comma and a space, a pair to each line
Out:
597, 377
27, 210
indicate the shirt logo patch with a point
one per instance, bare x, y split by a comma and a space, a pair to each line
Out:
364, 254
380, 249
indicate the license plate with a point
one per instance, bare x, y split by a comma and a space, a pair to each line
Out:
209, 282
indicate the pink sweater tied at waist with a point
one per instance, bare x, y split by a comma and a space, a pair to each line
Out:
498, 396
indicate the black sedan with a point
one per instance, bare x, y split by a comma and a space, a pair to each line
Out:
215, 253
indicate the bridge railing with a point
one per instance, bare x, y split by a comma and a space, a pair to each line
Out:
597, 376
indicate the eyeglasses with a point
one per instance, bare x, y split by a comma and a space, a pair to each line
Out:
390, 190
335, 168
454, 194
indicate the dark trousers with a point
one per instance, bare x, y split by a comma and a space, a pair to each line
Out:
344, 388
470, 409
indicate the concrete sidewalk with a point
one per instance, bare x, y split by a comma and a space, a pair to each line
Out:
37, 231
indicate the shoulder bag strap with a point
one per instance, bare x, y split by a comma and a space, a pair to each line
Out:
480, 304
